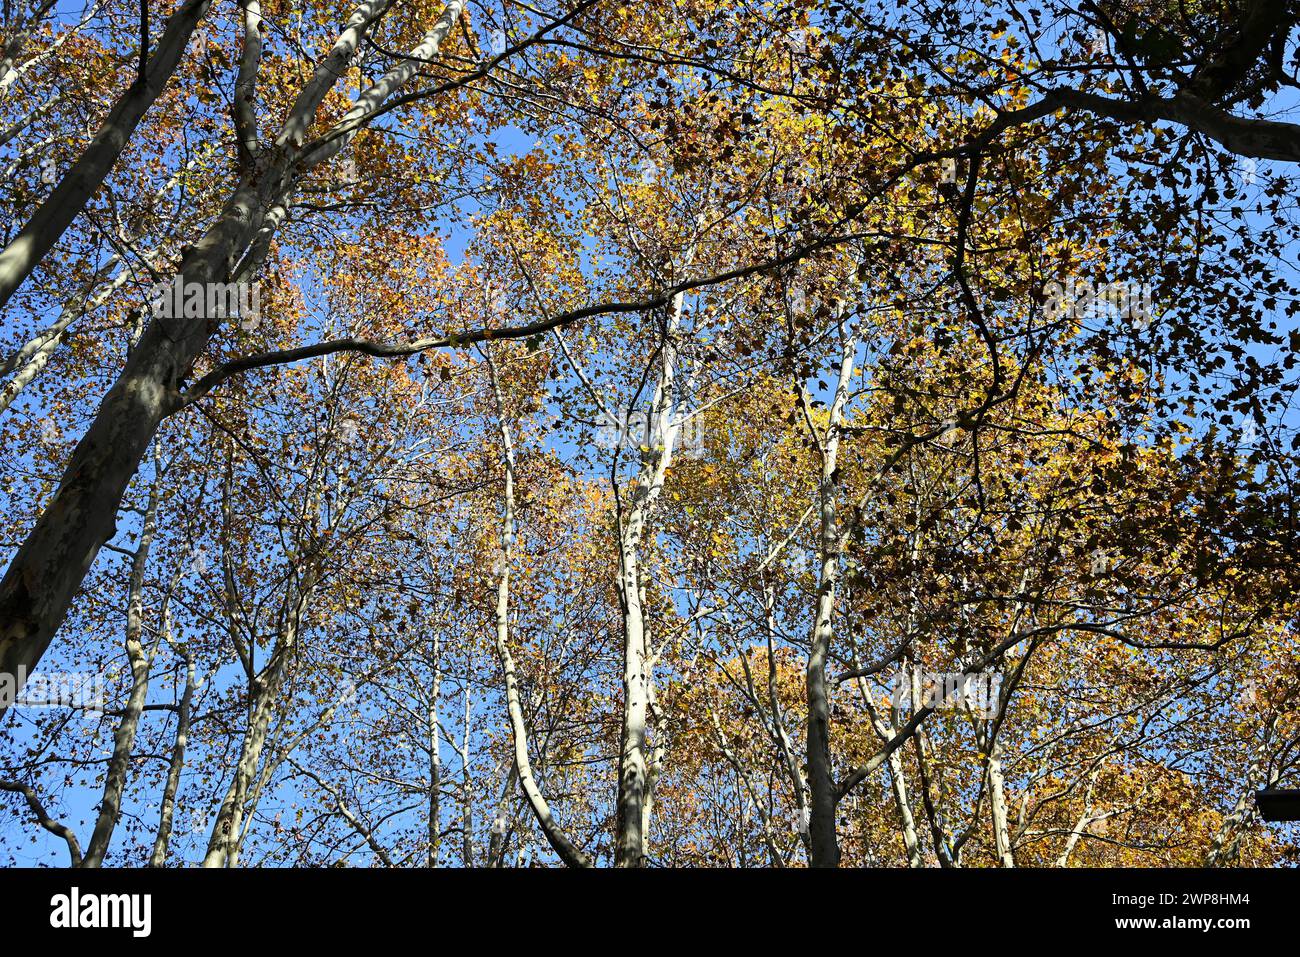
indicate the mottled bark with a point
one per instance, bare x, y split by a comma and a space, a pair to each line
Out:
110, 806
998, 807
562, 846
45, 574
176, 763
656, 451
79, 184
824, 797
264, 693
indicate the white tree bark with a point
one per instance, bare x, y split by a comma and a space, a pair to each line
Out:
45, 574
998, 807
141, 660
176, 763
79, 184
823, 843
631, 819
555, 836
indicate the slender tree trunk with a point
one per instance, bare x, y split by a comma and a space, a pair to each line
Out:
225, 829
658, 750
168, 805
519, 731
998, 807
52, 562
497, 841
466, 792
630, 849
1081, 826
631, 818
907, 821
821, 783
56, 214
886, 729
110, 807
824, 845
264, 691
276, 755
433, 730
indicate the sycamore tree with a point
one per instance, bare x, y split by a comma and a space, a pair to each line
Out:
719, 433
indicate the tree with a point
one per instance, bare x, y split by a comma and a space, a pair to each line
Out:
725, 435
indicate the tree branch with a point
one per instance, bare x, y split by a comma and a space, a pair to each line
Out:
44, 820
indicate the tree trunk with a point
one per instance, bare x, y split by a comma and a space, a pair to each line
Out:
519, 731
998, 807
79, 184
168, 806
822, 841
907, 821
433, 729
110, 807
45, 574
264, 691
631, 816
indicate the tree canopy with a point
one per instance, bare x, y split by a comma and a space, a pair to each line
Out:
692, 433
